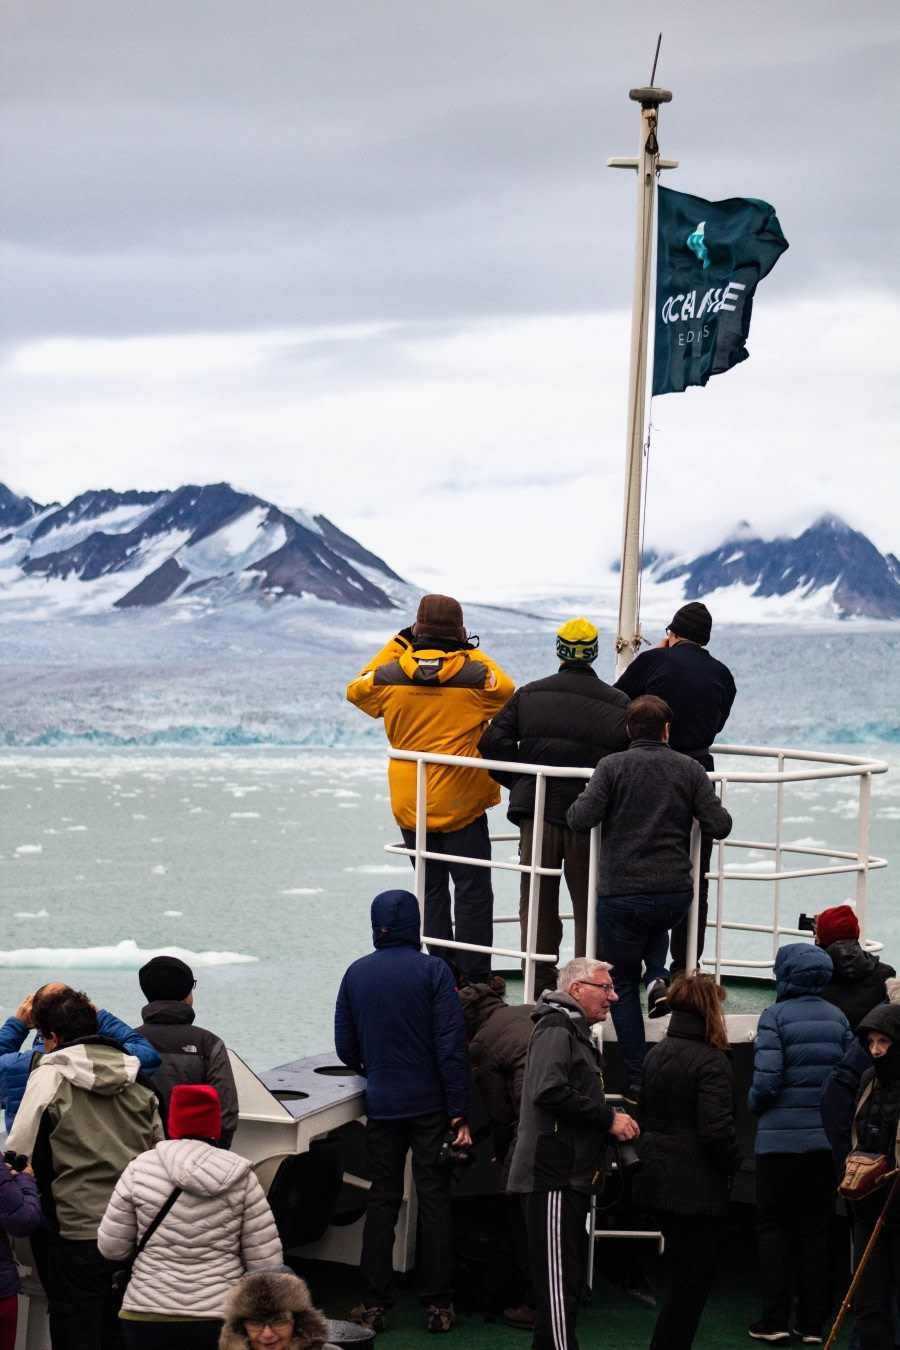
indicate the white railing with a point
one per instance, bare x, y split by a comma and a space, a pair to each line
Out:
817, 766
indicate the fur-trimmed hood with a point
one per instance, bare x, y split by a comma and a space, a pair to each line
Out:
264, 1294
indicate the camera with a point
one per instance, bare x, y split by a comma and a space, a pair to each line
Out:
626, 1160
17, 1161
454, 1155
807, 923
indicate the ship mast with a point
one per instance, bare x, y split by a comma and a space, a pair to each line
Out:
648, 164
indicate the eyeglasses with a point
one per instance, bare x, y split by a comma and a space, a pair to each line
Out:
608, 988
278, 1323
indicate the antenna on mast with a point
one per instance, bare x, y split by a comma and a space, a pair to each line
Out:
655, 59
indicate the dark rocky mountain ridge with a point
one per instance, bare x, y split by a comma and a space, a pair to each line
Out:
829, 554
134, 529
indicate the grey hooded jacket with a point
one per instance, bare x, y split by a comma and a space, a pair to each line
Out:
565, 1117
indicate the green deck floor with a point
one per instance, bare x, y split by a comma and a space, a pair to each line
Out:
610, 1321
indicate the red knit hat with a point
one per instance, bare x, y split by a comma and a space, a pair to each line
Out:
194, 1112
836, 925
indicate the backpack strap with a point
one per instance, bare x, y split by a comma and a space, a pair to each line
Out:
157, 1220
854, 1134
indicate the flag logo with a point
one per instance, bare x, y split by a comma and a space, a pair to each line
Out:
696, 244
702, 329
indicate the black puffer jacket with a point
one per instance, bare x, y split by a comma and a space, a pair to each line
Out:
688, 1145
857, 985
571, 718
565, 1116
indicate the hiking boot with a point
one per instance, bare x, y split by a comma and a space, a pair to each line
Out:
808, 1337
373, 1318
761, 1331
658, 999
440, 1319
523, 1319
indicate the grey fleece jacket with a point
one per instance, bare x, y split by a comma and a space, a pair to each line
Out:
645, 798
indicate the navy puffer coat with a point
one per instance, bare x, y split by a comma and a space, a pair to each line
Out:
799, 1040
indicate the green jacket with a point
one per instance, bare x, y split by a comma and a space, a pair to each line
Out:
82, 1120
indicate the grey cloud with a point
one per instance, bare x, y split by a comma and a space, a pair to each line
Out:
222, 165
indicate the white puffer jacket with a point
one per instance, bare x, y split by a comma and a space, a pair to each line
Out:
219, 1228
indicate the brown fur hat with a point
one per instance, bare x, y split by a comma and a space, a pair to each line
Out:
265, 1294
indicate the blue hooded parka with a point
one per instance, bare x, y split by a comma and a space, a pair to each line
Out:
799, 1040
399, 1022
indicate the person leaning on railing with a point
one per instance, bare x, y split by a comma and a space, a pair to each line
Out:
646, 800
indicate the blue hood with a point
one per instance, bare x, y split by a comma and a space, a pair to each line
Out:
801, 969
395, 920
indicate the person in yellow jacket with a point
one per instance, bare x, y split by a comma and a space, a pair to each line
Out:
436, 691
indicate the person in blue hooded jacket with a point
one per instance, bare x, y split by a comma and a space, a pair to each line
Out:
799, 1040
16, 1064
399, 1023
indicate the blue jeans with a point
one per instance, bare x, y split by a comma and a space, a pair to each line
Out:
635, 933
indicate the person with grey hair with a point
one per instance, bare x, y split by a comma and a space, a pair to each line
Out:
564, 1126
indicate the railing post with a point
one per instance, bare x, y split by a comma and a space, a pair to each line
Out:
694, 913
862, 852
779, 812
421, 836
534, 883
720, 888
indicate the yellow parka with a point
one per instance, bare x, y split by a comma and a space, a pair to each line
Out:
441, 702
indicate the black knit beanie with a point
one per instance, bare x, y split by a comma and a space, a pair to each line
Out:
165, 977
693, 622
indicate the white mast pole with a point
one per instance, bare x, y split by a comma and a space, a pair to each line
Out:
628, 635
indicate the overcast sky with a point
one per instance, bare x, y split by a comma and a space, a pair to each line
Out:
365, 257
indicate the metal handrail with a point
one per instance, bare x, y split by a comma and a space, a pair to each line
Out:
859, 862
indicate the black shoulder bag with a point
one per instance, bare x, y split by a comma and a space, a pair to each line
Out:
121, 1277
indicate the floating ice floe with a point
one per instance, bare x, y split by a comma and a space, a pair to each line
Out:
30, 848
245, 815
125, 955
377, 869
159, 869
302, 890
32, 914
173, 913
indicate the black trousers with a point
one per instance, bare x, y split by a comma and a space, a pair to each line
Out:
794, 1205
693, 1245
83, 1309
678, 940
472, 919
560, 847
199, 1335
881, 1277
387, 1143
557, 1245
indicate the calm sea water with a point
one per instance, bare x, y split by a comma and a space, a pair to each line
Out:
260, 863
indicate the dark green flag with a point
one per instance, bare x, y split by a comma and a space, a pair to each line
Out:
710, 256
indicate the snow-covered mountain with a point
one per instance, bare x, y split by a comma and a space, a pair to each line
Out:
122, 550
199, 550
829, 567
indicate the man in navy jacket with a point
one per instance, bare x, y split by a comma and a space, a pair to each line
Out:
399, 1023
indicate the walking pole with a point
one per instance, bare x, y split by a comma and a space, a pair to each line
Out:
862, 1264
